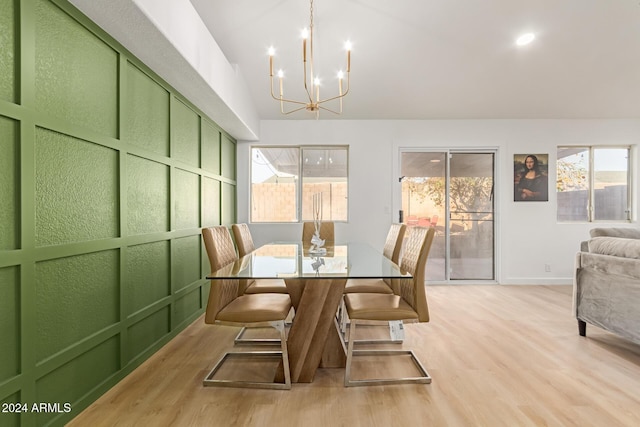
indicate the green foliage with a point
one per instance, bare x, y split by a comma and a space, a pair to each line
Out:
465, 193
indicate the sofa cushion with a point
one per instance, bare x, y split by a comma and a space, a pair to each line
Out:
615, 246
628, 233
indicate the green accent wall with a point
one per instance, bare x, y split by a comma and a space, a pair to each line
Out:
107, 176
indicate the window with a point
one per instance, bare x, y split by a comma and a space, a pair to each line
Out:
593, 184
284, 180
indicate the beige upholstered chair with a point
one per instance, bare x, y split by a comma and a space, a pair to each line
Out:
392, 249
409, 303
326, 231
244, 243
226, 306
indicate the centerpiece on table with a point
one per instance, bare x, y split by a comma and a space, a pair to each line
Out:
316, 242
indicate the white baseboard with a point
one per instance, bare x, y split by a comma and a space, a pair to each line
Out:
537, 281
512, 281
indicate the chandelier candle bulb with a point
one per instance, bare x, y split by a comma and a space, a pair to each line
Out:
272, 52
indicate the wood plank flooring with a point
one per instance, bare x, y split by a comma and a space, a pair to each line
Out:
499, 356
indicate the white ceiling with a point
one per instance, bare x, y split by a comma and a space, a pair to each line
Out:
443, 59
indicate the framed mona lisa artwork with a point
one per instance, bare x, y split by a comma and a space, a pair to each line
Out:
531, 177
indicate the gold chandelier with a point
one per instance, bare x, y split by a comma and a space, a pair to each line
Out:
313, 103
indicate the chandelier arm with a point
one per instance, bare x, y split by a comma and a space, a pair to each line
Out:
332, 98
271, 84
337, 96
292, 111
277, 98
291, 101
330, 110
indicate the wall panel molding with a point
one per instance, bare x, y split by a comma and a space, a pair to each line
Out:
110, 176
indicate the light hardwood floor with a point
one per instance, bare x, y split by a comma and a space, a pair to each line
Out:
499, 356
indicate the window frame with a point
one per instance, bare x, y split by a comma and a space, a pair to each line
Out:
299, 187
591, 181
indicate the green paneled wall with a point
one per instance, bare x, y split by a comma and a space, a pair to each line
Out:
185, 143
146, 123
107, 175
76, 190
69, 382
76, 297
7, 51
147, 275
147, 196
9, 322
76, 72
144, 333
9, 179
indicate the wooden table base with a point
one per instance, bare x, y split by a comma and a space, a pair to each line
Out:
313, 339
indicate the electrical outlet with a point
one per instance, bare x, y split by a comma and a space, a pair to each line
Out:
547, 268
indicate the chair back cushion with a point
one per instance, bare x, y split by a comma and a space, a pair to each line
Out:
326, 231
221, 251
393, 248
393, 244
244, 241
414, 260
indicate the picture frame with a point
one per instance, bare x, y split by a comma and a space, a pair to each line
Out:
531, 177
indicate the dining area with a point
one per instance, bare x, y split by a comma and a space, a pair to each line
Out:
490, 365
314, 292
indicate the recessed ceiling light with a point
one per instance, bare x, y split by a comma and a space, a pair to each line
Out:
525, 39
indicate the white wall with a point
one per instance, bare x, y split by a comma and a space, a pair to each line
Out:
528, 234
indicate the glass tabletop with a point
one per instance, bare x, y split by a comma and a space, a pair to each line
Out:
292, 260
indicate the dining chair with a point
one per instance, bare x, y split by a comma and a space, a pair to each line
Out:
326, 231
225, 306
409, 304
244, 243
392, 249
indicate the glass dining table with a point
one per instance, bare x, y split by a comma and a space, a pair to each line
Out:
315, 282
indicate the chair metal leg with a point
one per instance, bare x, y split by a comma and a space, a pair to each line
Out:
343, 328
343, 317
284, 354
424, 378
238, 340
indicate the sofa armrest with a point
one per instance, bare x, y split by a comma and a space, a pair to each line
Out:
607, 294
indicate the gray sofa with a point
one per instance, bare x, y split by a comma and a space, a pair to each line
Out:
606, 288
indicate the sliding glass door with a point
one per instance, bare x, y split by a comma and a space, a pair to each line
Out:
453, 191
